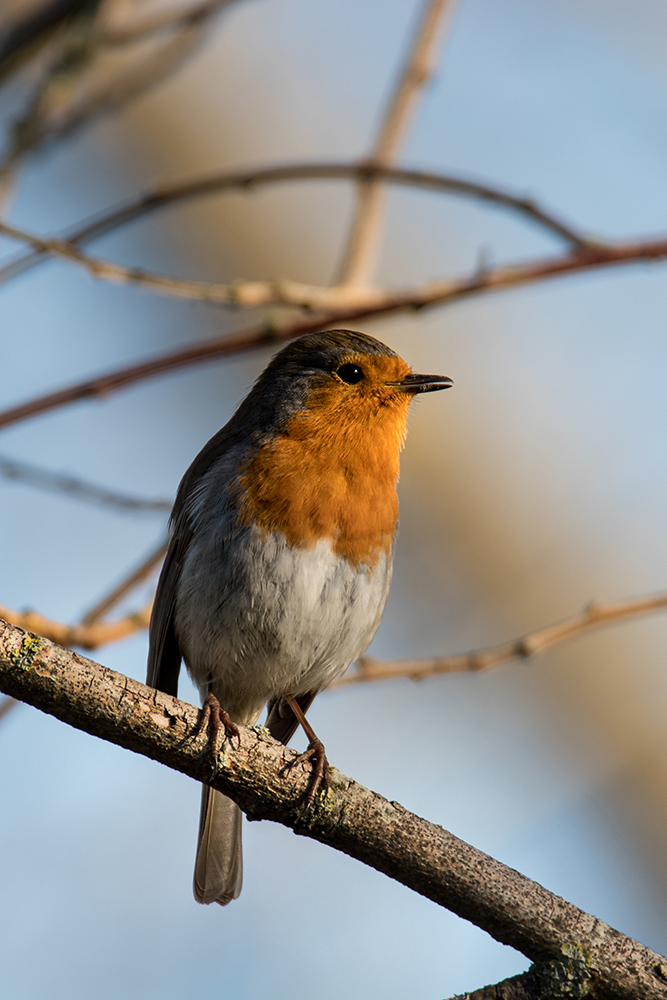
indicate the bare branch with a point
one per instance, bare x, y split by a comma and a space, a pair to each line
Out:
566, 976
117, 273
127, 584
262, 777
95, 66
105, 384
24, 31
58, 482
241, 293
91, 633
246, 180
248, 293
6, 705
249, 179
48, 119
375, 304
81, 636
360, 253
168, 20
594, 615
522, 987
536, 984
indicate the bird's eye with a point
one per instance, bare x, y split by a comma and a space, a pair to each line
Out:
350, 374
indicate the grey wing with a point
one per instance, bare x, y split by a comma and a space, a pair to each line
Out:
164, 655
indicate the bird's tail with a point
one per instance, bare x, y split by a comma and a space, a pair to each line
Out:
219, 865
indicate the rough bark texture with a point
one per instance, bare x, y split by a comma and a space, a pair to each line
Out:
525, 987
568, 977
256, 772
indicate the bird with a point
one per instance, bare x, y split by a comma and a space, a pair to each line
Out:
280, 555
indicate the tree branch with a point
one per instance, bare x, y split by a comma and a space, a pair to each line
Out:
524, 987
262, 777
27, 28
361, 250
594, 615
58, 482
245, 293
245, 180
567, 976
376, 303
101, 386
249, 294
6, 705
166, 20
82, 636
127, 584
93, 68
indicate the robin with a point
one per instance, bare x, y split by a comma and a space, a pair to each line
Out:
280, 557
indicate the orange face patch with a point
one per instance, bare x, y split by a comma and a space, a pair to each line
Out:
331, 472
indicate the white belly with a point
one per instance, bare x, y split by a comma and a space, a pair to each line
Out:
263, 619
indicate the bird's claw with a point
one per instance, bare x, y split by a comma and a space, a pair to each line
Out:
320, 774
214, 715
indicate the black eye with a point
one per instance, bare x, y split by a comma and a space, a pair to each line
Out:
350, 374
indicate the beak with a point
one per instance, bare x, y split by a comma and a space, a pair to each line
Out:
422, 383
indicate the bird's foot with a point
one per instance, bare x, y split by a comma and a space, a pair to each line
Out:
214, 716
320, 774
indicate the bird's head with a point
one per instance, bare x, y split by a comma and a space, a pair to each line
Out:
348, 380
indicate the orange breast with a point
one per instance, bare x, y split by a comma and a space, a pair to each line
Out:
331, 473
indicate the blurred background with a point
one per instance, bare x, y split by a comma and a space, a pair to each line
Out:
537, 483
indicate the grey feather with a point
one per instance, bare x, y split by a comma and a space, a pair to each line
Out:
219, 865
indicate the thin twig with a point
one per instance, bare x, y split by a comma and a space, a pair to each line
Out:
80, 636
105, 270
25, 30
243, 293
246, 180
6, 705
377, 304
251, 294
594, 615
78, 82
89, 635
102, 386
127, 584
167, 20
360, 252
58, 482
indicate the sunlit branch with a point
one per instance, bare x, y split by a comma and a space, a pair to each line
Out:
363, 241
126, 585
89, 635
165, 195
26, 29
376, 304
80, 636
167, 20
594, 616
